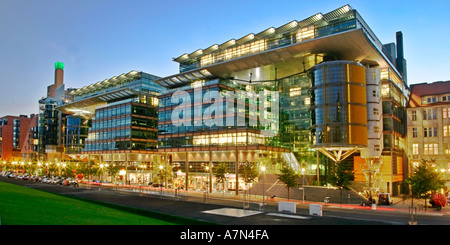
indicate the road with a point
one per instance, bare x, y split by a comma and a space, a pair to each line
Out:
230, 211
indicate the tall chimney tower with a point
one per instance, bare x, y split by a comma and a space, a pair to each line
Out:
59, 74
400, 61
59, 80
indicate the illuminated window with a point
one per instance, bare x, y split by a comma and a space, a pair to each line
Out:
431, 149
307, 101
445, 113
295, 91
446, 130
385, 90
415, 149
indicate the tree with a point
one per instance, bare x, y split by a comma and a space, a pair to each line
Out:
220, 173
87, 169
288, 177
249, 173
340, 175
113, 170
425, 179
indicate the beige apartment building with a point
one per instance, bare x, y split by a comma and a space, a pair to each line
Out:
428, 115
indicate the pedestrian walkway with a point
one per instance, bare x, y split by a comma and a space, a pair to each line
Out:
248, 201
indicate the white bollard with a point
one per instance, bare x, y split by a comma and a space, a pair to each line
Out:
289, 207
315, 209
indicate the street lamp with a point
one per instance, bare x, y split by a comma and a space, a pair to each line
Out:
101, 176
179, 178
263, 169
303, 183
161, 167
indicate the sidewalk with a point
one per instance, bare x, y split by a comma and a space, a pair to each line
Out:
251, 200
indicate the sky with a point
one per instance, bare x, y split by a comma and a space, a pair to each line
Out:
100, 39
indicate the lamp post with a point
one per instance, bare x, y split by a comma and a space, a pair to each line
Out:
303, 184
263, 169
179, 181
101, 176
162, 179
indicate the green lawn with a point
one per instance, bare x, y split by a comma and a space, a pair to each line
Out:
26, 206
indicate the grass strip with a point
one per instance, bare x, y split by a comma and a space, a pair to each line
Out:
21, 205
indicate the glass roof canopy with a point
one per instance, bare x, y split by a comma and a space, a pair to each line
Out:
357, 43
111, 82
86, 107
269, 32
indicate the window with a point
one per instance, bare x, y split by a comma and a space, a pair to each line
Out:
385, 90
414, 132
431, 149
447, 149
376, 129
431, 99
415, 149
414, 115
429, 132
445, 113
446, 130
429, 114
307, 101
295, 91
375, 111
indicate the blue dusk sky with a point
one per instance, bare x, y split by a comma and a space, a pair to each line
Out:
99, 39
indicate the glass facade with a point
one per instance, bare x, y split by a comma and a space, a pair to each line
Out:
295, 116
48, 126
126, 120
333, 106
225, 133
76, 133
339, 104
127, 126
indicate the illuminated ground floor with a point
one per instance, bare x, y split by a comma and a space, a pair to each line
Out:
194, 168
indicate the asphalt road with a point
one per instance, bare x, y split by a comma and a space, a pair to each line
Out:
276, 224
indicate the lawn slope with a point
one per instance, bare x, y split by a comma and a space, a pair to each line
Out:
21, 205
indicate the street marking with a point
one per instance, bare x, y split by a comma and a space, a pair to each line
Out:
233, 212
288, 216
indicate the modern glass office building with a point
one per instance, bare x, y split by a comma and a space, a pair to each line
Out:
326, 78
115, 121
